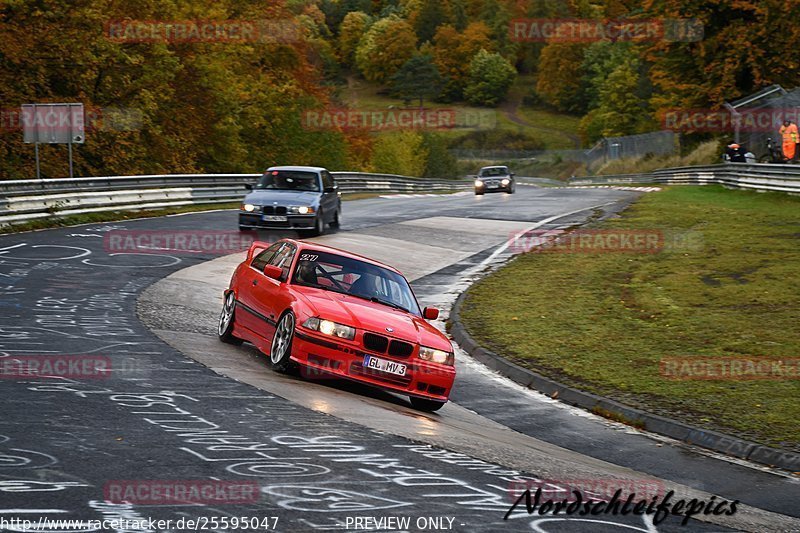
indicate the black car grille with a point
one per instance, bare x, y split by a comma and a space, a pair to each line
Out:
375, 343
400, 349
380, 344
273, 210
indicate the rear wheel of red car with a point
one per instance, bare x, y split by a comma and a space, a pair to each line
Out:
226, 320
281, 351
425, 405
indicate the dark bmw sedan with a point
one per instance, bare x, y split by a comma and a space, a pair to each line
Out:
300, 198
494, 179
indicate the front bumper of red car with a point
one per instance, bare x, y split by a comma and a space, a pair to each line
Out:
325, 356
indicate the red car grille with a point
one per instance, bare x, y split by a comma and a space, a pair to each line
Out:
356, 368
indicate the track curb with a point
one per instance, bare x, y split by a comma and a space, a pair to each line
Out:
704, 438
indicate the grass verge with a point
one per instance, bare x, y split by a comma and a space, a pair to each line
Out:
603, 322
707, 153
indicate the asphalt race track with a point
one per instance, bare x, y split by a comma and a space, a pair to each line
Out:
321, 455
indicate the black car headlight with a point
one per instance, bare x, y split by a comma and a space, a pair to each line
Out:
329, 327
249, 207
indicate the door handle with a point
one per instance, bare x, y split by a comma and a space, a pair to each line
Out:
255, 282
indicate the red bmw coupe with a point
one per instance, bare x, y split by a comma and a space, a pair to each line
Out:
340, 314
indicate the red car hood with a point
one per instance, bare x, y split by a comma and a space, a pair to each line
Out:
371, 316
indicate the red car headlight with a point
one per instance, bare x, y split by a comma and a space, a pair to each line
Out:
436, 356
330, 328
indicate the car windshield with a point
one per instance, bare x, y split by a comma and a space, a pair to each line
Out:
289, 180
494, 171
346, 275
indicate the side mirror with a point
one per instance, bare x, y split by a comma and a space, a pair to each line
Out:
271, 271
512, 174
248, 186
430, 313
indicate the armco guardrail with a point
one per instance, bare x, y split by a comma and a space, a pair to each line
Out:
755, 176
23, 200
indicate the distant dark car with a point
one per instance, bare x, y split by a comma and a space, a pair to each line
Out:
299, 198
494, 179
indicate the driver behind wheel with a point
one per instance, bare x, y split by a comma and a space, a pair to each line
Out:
307, 273
364, 286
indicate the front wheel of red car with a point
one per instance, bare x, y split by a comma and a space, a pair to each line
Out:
281, 351
425, 405
226, 320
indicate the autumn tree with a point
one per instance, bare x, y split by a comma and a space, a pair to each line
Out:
351, 31
600, 59
336, 11
621, 110
559, 79
196, 106
440, 163
738, 48
453, 51
490, 78
386, 46
400, 152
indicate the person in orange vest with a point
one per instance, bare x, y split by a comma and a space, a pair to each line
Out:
790, 139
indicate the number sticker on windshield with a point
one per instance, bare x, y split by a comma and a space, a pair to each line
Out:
308, 257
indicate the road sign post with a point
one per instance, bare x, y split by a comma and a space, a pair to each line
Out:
53, 124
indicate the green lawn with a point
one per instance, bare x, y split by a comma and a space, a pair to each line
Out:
552, 128
603, 322
556, 129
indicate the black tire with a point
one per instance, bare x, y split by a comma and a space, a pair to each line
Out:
226, 321
280, 352
478, 193
425, 405
319, 226
335, 223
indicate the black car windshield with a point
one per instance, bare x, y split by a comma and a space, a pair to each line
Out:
346, 275
494, 171
289, 180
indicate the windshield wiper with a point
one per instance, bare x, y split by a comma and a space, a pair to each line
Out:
387, 302
378, 300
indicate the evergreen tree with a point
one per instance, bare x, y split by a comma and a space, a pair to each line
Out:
418, 78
